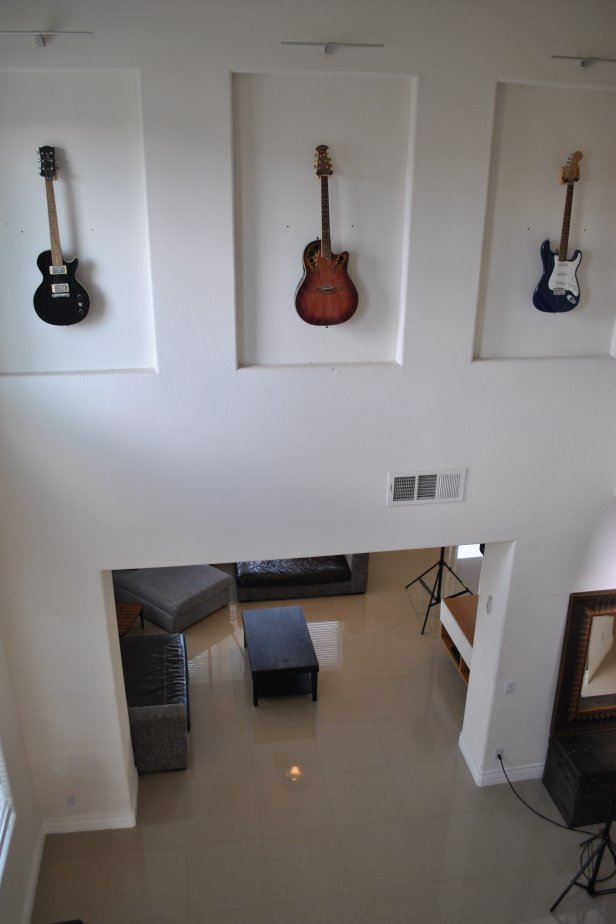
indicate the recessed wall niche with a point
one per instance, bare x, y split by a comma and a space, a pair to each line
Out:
93, 119
366, 121
536, 128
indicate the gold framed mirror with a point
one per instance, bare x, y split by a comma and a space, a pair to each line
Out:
586, 692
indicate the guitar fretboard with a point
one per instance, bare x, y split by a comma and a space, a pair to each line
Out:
54, 233
326, 244
564, 236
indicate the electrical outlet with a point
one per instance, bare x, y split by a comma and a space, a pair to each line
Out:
499, 752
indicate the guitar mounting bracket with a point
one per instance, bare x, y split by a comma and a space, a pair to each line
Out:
330, 47
586, 61
40, 37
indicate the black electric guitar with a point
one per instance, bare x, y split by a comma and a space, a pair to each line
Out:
558, 288
60, 298
325, 294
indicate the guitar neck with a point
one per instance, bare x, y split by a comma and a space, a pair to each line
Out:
326, 244
564, 236
54, 233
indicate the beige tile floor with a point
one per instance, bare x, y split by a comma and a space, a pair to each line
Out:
386, 825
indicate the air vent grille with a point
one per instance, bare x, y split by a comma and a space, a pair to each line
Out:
425, 487
403, 489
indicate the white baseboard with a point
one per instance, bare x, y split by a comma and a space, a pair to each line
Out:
493, 775
78, 823
72, 826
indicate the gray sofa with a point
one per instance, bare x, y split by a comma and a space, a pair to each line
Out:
174, 597
284, 578
156, 682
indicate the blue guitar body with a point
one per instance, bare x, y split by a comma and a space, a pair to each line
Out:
558, 288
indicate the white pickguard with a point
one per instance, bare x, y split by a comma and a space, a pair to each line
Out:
563, 277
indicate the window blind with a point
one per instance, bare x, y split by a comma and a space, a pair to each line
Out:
6, 813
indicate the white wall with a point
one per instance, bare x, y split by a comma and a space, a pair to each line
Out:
18, 875
205, 462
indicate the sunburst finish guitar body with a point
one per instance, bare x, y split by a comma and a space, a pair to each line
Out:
326, 295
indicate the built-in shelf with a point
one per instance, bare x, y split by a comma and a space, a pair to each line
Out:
458, 616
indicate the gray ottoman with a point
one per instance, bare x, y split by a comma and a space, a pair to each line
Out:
174, 598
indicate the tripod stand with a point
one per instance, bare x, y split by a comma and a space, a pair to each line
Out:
594, 861
435, 590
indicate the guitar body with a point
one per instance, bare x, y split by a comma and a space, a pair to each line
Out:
60, 299
558, 288
326, 295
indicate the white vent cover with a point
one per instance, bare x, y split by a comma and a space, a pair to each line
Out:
425, 487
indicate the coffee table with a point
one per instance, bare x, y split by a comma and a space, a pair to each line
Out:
279, 648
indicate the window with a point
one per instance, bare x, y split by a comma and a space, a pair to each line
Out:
469, 551
7, 814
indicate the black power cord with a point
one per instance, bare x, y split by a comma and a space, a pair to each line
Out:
557, 824
588, 846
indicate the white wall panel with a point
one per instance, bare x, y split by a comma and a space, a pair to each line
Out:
279, 121
93, 119
536, 129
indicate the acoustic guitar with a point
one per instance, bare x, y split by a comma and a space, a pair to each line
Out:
326, 294
60, 298
558, 288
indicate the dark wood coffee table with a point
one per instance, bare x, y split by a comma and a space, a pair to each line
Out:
279, 648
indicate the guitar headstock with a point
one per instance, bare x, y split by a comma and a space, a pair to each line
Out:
570, 173
322, 161
47, 158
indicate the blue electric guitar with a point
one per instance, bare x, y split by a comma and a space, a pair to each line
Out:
558, 288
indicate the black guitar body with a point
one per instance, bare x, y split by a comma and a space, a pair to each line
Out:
60, 299
558, 289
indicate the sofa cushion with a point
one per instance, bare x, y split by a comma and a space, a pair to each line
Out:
155, 669
156, 682
289, 572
